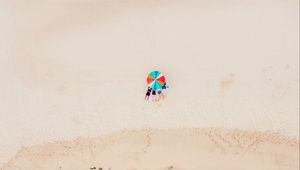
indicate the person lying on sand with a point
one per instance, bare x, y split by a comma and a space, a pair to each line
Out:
154, 95
148, 93
160, 94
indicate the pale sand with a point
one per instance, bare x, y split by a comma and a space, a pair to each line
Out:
178, 149
77, 68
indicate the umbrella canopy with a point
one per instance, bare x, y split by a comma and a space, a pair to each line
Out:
156, 80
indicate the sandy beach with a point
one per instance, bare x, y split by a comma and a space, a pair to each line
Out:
178, 149
75, 71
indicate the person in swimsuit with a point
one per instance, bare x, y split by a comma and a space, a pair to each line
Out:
160, 94
164, 87
148, 93
154, 95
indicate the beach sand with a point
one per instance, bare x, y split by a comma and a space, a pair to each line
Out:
77, 69
177, 149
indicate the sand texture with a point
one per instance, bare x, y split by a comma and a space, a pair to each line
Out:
76, 69
178, 149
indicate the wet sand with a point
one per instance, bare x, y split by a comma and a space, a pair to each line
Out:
177, 149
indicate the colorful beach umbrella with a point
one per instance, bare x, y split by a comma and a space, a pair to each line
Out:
156, 80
